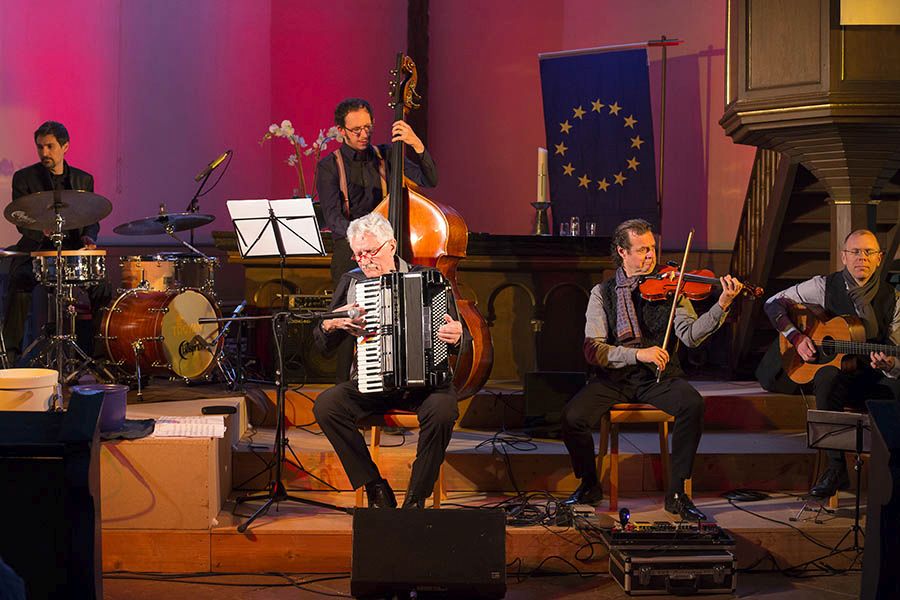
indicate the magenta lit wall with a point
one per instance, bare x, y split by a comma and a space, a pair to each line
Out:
153, 90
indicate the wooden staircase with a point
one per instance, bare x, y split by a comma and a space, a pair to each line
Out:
784, 238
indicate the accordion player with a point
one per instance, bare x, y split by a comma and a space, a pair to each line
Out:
401, 348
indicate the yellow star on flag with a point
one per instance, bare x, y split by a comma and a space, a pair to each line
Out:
560, 148
579, 112
583, 181
614, 108
630, 121
568, 169
633, 163
636, 142
596, 105
602, 184
620, 178
564, 127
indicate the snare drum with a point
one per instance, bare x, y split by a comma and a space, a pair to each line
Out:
169, 271
79, 267
163, 326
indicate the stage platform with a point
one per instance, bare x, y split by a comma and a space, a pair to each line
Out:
753, 440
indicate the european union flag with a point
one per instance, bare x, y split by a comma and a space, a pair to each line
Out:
600, 138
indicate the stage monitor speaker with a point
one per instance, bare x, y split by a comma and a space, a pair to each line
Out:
443, 553
50, 469
880, 577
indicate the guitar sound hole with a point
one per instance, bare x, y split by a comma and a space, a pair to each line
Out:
825, 352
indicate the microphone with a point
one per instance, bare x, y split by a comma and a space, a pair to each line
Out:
351, 313
212, 166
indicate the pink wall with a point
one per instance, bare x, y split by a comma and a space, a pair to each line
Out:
152, 91
486, 110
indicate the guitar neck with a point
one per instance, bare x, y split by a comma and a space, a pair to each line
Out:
863, 348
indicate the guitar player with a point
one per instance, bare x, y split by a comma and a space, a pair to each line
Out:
857, 290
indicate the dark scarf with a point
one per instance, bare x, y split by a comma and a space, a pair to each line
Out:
862, 296
628, 329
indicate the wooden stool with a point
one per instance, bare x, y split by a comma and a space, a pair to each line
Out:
609, 436
395, 418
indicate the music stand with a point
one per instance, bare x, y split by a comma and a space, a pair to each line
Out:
282, 228
844, 431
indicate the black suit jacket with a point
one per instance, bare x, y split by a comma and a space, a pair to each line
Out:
36, 178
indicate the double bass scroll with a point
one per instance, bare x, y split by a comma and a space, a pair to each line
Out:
434, 235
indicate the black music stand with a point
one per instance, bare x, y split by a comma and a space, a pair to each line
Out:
849, 432
279, 228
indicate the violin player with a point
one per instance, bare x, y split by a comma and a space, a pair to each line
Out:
623, 343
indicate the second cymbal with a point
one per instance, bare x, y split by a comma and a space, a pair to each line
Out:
158, 224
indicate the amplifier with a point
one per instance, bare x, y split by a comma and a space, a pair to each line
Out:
666, 571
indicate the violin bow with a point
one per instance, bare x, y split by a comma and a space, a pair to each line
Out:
678, 286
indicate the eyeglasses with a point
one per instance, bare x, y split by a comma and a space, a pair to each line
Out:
357, 131
857, 252
369, 253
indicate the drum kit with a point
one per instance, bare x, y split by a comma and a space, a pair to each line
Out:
152, 325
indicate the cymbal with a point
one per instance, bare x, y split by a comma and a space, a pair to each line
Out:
78, 209
157, 224
4, 253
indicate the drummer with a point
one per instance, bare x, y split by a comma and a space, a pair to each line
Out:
50, 172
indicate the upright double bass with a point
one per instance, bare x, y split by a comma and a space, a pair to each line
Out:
433, 235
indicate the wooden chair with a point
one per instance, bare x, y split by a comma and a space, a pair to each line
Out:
395, 418
609, 437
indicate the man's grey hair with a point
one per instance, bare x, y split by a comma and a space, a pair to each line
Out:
374, 224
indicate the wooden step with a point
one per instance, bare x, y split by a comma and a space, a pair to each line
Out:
725, 460
298, 538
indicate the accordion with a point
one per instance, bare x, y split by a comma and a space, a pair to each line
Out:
401, 348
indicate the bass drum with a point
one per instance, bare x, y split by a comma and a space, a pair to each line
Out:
160, 331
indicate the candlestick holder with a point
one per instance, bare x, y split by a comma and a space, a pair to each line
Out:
541, 220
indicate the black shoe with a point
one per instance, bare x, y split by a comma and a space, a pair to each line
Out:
589, 492
680, 504
832, 480
413, 501
380, 494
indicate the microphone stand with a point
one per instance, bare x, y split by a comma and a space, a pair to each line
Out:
194, 205
277, 491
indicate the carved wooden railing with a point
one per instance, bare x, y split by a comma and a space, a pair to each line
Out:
765, 204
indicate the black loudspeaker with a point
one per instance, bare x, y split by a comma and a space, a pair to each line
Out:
50, 469
546, 393
880, 577
442, 553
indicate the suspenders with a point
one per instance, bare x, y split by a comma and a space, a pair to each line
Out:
342, 177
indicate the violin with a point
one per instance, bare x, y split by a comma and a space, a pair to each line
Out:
697, 285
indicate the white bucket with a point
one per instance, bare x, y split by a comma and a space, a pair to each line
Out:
27, 389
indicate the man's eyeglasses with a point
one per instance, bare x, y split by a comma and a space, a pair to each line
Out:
369, 253
357, 131
857, 252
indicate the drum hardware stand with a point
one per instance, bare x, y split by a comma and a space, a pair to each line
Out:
59, 342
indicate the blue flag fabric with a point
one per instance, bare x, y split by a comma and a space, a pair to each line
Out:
600, 138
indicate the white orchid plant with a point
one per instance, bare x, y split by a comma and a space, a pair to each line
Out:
301, 148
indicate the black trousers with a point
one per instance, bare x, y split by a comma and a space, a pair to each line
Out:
674, 395
836, 389
342, 262
339, 409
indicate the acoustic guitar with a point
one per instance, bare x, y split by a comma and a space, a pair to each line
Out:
838, 341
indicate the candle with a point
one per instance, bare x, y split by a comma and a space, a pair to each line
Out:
542, 175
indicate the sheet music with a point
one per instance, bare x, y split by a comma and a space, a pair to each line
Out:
294, 218
196, 427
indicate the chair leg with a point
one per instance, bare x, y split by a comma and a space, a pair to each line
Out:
360, 497
834, 501
689, 487
664, 453
439, 489
613, 467
603, 447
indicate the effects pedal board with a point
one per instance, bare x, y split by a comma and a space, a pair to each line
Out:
649, 535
